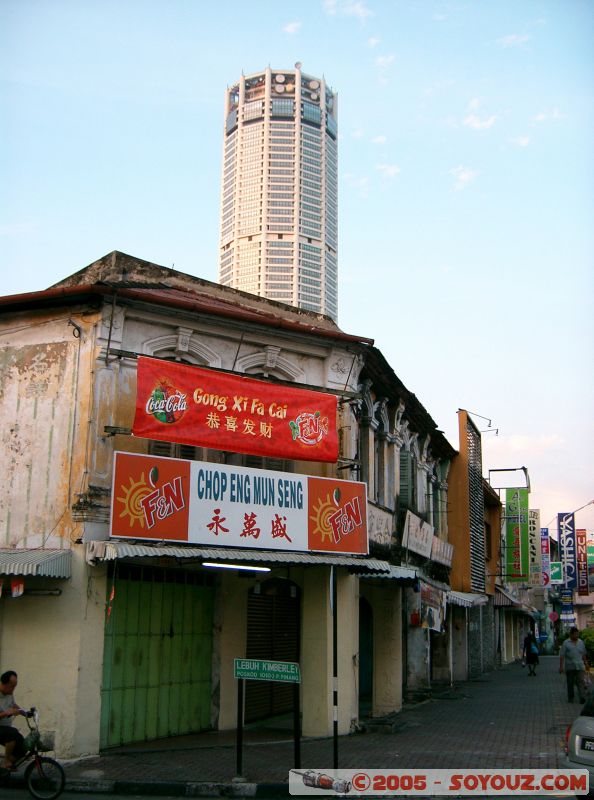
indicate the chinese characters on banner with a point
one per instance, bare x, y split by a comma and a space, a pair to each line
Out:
209, 408
534, 541
516, 536
545, 550
224, 506
567, 549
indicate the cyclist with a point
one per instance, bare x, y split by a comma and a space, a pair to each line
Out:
10, 737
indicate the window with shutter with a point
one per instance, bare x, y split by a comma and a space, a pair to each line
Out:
260, 462
173, 450
406, 480
436, 522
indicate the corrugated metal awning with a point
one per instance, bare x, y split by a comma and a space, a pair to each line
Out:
467, 599
503, 598
396, 572
43, 563
112, 550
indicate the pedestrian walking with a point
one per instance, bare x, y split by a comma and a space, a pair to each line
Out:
530, 653
573, 660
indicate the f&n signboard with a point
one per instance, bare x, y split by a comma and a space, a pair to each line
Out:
195, 502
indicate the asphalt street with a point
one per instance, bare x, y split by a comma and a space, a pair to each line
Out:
502, 720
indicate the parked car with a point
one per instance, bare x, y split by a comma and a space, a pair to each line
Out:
579, 742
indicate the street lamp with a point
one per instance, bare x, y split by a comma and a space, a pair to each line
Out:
589, 503
579, 509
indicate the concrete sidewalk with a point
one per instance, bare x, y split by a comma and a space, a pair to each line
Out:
504, 719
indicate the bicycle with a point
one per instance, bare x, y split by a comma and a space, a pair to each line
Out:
44, 777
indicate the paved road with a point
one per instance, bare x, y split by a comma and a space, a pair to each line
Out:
503, 720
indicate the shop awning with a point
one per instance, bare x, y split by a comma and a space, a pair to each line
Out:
112, 550
395, 573
39, 563
503, 598
467, 599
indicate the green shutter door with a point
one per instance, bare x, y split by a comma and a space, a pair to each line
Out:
157, 655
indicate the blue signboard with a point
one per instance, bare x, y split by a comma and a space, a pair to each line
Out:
568, 549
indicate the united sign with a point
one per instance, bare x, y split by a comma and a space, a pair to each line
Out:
195, 502
223, 411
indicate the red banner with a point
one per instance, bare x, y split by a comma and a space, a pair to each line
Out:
582, 561
206, 408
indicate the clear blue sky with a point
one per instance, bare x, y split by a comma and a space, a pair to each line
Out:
466, 183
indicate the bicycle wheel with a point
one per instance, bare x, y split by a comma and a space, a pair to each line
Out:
45, 778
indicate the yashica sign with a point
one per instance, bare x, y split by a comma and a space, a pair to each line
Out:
209, 408
224, 506
568, 549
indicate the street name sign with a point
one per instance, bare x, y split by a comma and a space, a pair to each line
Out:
256, 669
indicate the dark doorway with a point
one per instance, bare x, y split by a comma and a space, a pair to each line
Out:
365, 657
273, 632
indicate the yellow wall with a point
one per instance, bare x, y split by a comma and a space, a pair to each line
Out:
385, 598
231, 631
55, 644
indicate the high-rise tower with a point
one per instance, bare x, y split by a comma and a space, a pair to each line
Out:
279, 205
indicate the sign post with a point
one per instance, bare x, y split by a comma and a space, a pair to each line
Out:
239, 737
258, 669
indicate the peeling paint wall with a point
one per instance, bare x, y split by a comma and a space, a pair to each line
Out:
37, 387
44, 394
51, 641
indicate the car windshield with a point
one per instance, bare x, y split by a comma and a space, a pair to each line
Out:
588, 709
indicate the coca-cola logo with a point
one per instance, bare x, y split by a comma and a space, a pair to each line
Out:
167, 404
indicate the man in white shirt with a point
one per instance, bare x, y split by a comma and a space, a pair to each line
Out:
573, 660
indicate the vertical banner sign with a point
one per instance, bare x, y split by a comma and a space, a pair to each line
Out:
567, 609
582, 561
516, 536
590, 547
210, 408
545, 555
534, 544
567, 548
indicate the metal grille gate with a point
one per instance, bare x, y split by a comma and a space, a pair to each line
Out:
273, 631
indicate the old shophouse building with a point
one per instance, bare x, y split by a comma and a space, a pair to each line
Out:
136, 635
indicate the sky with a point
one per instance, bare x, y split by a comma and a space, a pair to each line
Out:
466, 234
